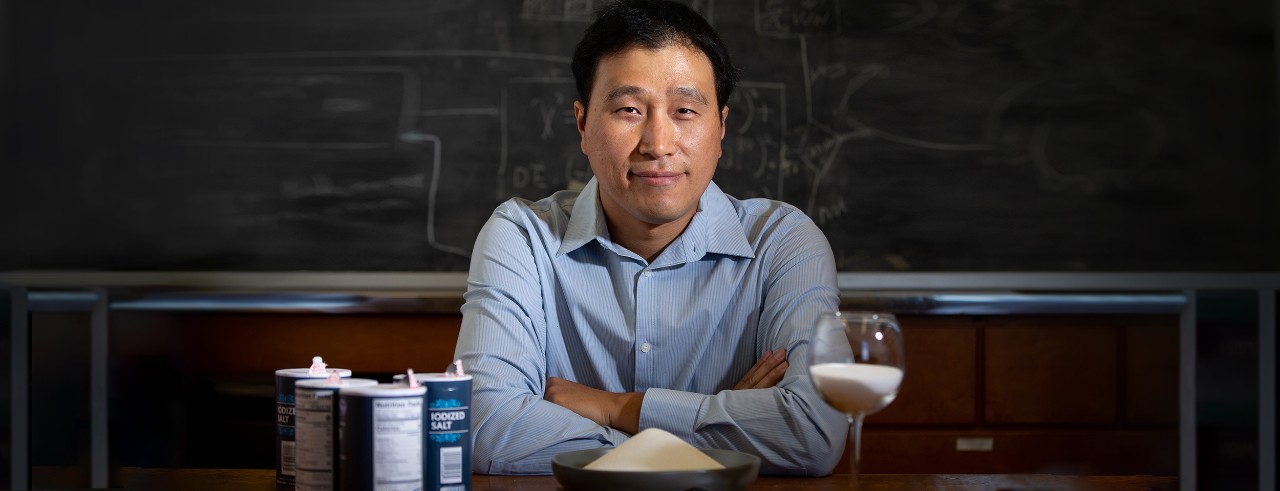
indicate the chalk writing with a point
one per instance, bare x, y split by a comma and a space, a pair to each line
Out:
381, 137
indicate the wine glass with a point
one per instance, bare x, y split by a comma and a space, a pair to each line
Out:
857, 362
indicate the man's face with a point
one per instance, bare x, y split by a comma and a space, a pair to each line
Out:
652, 134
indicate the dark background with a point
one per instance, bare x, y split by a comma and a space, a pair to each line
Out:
947, 135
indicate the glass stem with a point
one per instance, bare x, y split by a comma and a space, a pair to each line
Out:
855, 451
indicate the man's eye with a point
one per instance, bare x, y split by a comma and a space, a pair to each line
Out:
630, 110
686, 111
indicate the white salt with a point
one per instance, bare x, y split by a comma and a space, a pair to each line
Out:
654, 450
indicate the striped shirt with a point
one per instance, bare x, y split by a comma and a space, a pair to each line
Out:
550, 295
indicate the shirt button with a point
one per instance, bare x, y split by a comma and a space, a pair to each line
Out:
644, 347
647, 274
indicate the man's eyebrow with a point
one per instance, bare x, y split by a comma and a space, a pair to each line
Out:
692, 93
623, 91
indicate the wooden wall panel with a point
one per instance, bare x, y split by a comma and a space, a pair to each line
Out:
1151, 371
939, 385
262, 343
1050, 370
1057, 451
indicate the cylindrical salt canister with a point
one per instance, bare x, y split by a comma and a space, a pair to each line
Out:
449, 432
381, 437
316, 424
286, 454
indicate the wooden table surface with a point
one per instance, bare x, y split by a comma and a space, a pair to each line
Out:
264, 479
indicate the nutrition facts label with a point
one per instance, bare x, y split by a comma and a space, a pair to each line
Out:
397, 444
314, 422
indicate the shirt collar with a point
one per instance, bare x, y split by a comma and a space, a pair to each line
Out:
716, 228
586, 221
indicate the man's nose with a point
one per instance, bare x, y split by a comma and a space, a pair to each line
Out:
659, 137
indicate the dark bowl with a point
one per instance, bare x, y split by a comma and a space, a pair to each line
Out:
739, 471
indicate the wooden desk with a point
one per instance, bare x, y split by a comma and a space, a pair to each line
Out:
264, 480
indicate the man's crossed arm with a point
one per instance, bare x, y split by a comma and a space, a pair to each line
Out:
621, 410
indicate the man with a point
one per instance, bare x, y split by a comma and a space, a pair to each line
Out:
650, 298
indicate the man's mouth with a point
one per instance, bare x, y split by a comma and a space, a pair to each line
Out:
657, 178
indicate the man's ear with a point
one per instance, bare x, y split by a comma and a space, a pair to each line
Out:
724, 117
580, 115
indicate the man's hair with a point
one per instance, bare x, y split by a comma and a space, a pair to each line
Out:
650, 24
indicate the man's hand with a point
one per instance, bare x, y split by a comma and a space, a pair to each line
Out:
620, 411
767, 372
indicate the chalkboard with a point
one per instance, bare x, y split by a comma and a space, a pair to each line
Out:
922, 135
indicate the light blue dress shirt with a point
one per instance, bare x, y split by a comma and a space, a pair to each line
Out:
550, 295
